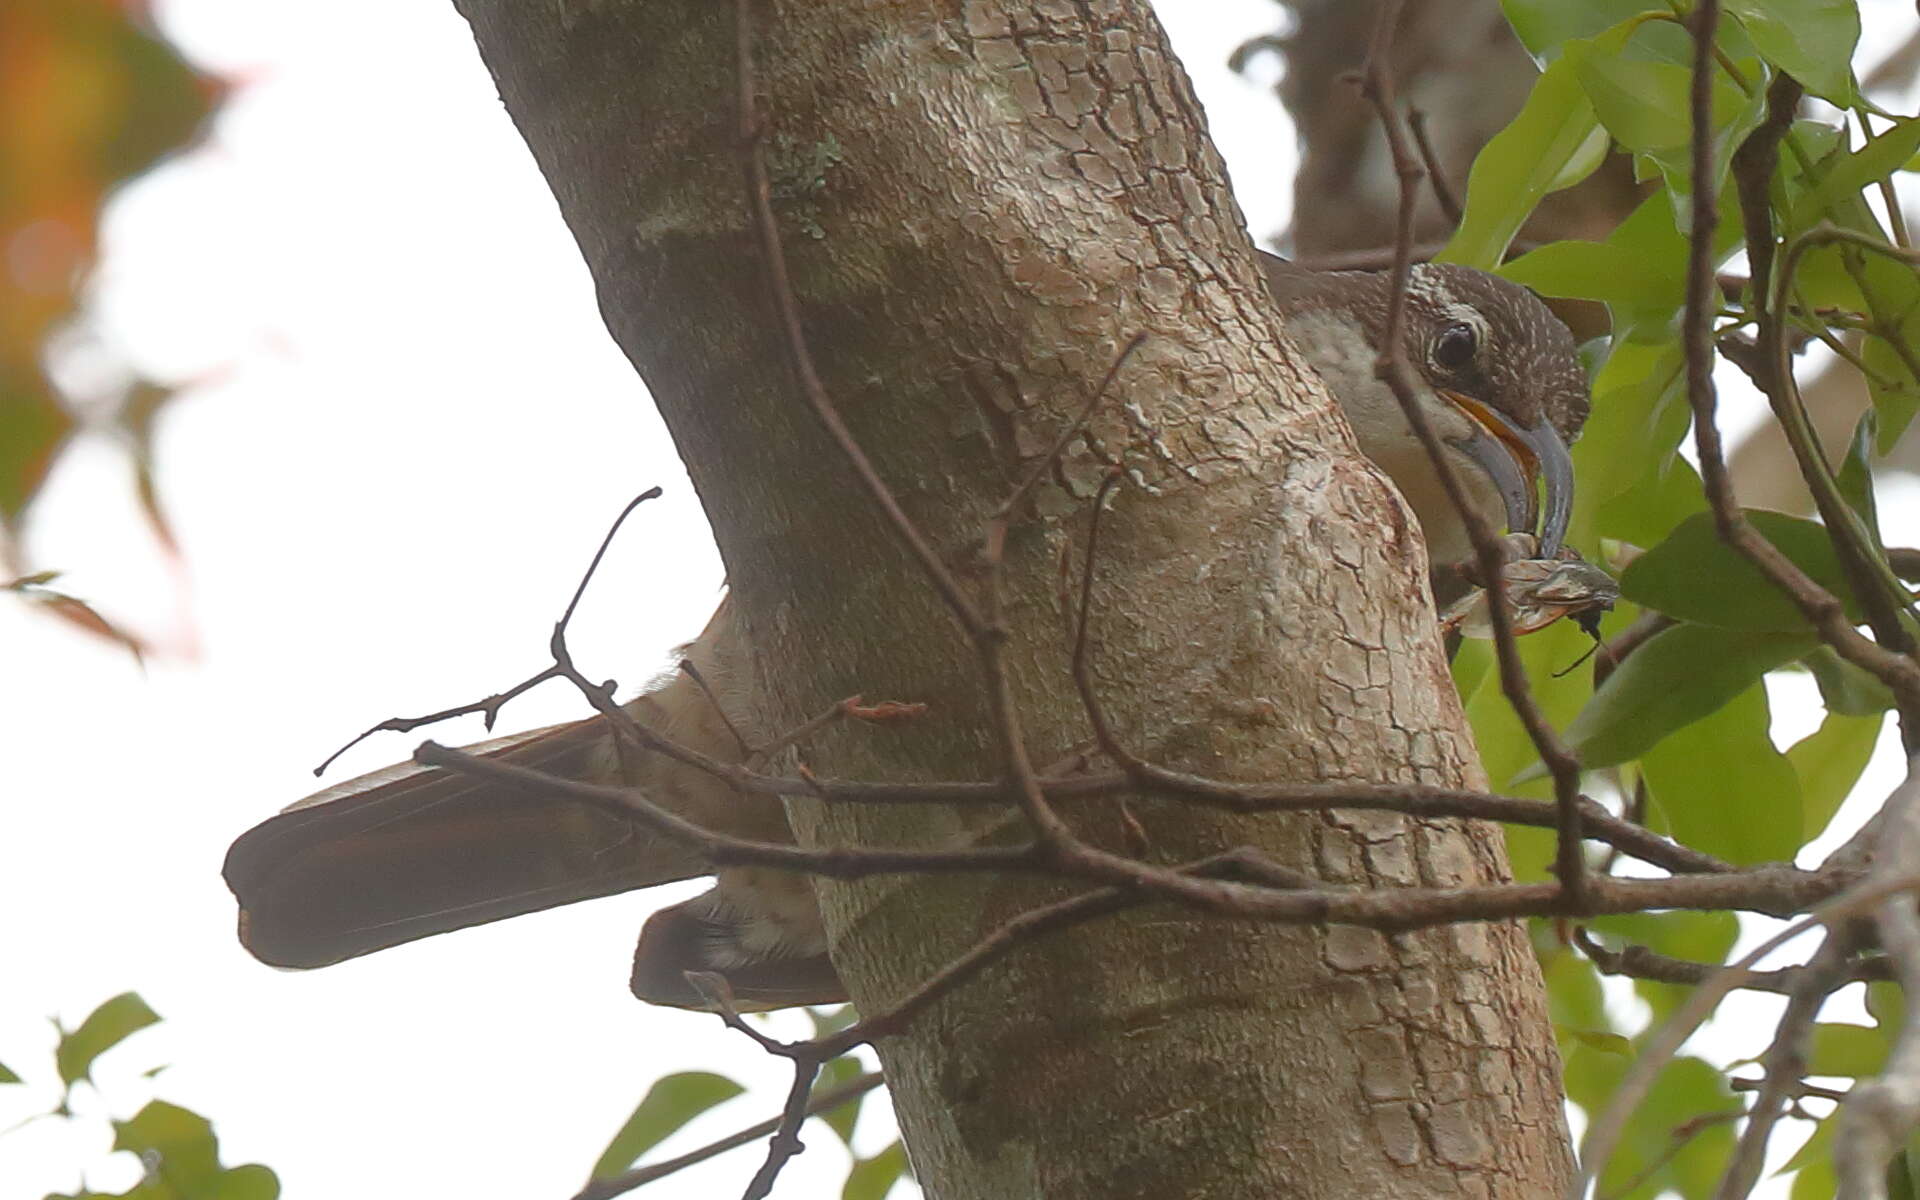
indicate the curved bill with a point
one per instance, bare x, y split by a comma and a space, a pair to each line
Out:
1519, 460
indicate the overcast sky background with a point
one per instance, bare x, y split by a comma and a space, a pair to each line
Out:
404, 434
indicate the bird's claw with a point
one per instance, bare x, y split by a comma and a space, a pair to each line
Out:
1539, 591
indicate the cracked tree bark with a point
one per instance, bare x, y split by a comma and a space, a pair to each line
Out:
982, 201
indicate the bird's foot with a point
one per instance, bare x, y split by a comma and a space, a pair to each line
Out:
1539, 591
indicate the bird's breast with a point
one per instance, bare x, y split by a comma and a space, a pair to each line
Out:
1331, 342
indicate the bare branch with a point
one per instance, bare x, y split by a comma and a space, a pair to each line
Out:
1443, 193
780, 284
817, 1103
1882, 1113
1562, 765
490, 707
1785, 1062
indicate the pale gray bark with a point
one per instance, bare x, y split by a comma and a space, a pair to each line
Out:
982, 202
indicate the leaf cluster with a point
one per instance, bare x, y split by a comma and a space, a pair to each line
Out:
178, 1152
1680, 731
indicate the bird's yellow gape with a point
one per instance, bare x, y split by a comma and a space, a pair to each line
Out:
1519, 461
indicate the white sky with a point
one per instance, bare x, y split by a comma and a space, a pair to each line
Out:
407, 434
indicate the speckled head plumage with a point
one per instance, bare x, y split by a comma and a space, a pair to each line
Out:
1491, 354
1528, 365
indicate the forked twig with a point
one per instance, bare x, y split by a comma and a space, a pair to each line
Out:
490, 707
1562, 764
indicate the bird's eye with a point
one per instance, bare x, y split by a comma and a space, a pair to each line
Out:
1455, 347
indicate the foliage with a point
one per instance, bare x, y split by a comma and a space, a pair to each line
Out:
669, 1104
1684, 724
90, 97
178, 1152
675, 1101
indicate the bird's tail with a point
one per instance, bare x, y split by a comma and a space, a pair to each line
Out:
410, 851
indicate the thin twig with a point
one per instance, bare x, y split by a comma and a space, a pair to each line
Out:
1881, 1113
1035, 923
1684, 1134
1776, 890
489, 708
1562, 764
725, 850
780, 284
1009, 508
1603, 1134
785, 1142
835, 712
1638, 962
819, 1102
1443, 193
719, 710
1785, 1062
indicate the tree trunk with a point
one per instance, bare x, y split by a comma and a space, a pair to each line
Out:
982, 202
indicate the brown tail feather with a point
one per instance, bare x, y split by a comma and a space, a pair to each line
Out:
410, 852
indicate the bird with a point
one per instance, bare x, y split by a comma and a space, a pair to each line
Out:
1500, 383
409, 851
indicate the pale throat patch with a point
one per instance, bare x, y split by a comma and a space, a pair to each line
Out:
1345, 362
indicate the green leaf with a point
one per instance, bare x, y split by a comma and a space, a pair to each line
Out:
1843, 176
1632, 484
1814, 1164
669, 1104
181, 1141
1886, 1004
1505, 749
1679, 676
1614, 275
1828, 762
182, 1158
1891, 384
1855, 478
1641, 102
1846, 689
1574, 998
1695, 576
1811, 40
249, 1181
1543, 26
104, 1028
1642, 96
1470, 665
872, 1178
7, 1075
1555, 130
830, 1020
1721, 786
1706, 937
1851, 1051
1607, 1042
1685, 1095
842, 1119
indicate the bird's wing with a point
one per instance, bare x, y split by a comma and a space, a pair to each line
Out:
711, 933
408, 852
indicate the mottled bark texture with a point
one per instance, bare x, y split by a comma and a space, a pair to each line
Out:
982, 202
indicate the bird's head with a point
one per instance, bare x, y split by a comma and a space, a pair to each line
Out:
1491, 352
1500, 377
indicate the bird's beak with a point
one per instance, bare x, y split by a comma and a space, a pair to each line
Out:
1519, 460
